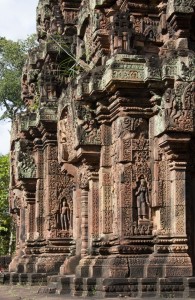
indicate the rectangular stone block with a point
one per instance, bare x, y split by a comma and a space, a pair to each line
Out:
191, 287
147, 287
171, 287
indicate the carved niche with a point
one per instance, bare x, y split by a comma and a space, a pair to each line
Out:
66, 128
135, 178
65, 137
60, 219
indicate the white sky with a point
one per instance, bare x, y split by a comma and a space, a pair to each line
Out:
17, 21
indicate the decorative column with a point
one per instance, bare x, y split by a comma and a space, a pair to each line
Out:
105, 188
50, 184
30, 200
171, 257
84, 186
178, 249
84, 222
178, 198
39, 212
176, 150
93, 208
106, 203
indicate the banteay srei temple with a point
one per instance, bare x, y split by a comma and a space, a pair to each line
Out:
103, 158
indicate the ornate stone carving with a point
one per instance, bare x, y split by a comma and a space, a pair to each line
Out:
142, 200
26, 166
25, 161
65, 216
121, 33
87, 128
102, 159
83, 175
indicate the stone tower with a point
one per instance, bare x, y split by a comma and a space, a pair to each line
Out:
102, 160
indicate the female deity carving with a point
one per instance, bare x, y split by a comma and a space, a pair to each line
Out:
142, 200
65, 215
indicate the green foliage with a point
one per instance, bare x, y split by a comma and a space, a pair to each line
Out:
12, 58
5, 220
69, 66
35, 104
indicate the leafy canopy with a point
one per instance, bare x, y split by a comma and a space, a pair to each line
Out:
5, 220
12, 58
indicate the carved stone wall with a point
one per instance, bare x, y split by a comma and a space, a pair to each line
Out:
102, 159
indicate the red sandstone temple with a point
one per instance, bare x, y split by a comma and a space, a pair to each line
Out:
102, 185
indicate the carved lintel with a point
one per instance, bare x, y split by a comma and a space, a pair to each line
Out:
176, 147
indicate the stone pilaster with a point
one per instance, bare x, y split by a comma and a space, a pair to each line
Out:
93, 207
39, 209
171, 258
178, 198
30, 218
84, 222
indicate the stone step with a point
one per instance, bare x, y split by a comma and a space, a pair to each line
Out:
53, 278
24, 278
64, 284
51, 287
58, 285
124, 287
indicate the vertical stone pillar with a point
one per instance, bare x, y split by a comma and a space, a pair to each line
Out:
39, 212
94, 205
126, 202
84, 222
31, 221
23, 224
164, 197
106, 141
93, 210
106, 208
76, 215
171, 256
178, 198
30, 217
106, 202
84, 175
179, 240
177, 159
50, 187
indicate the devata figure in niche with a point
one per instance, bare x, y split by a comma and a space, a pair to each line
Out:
142, 201
65, 215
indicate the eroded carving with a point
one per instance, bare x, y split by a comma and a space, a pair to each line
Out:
102, 160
